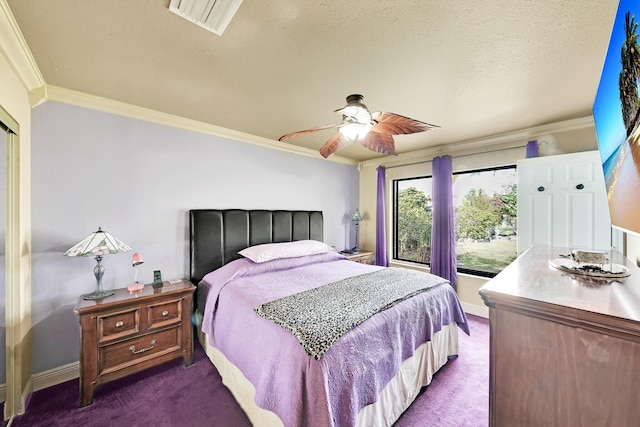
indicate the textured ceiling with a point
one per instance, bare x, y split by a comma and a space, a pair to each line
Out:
476, 68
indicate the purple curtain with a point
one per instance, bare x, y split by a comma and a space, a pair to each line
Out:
381, 237
443, 235
532, 149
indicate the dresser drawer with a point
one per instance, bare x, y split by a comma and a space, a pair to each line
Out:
164, 314
118, 325
120, 355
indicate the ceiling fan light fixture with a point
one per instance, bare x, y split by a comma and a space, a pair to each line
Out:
355, 131
212, 15
373, 130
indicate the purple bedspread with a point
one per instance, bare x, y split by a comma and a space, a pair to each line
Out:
292, 384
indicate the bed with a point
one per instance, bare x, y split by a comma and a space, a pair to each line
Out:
367, 377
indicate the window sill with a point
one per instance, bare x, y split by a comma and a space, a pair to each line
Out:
409, 264
426, 269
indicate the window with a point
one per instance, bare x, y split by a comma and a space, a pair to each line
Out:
485, 204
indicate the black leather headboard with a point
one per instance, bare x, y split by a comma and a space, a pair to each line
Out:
216, 235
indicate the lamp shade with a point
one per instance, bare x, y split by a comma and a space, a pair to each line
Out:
97, 243
136, 259
355, 131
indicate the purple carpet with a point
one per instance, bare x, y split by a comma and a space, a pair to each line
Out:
458, 395
174, 395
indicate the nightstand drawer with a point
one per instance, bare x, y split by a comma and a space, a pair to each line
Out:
121, 355
118, 325
164, 314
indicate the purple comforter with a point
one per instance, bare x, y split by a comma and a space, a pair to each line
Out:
292, 384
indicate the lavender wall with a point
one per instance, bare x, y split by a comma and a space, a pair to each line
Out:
137, 180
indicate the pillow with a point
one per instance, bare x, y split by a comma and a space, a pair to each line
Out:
271, 251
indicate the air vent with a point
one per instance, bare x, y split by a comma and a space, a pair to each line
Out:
212, 15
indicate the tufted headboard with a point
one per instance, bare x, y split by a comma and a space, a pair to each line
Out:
216, 235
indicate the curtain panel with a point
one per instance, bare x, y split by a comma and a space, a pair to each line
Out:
532, 149
381, 237
444, 262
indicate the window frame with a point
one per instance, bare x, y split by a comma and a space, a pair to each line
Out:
394, 207
395, 218
472, 272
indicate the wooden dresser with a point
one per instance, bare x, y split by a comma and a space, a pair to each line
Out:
126, 333
565, 351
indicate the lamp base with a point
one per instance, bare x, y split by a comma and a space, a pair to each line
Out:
136, 287
98, 294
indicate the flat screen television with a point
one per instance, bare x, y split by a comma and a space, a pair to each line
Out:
616, 113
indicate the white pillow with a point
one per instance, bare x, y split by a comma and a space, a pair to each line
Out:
271, 251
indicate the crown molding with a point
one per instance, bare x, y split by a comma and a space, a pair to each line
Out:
67, 96
502, 141
15, 50
37, 96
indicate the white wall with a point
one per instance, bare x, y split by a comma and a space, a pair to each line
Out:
137, 180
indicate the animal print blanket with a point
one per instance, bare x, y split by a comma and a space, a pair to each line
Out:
320, 316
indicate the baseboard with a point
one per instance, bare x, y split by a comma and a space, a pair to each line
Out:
55, 376
476, 310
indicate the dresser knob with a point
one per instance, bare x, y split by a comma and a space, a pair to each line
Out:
119, 324
541, 188
579, 186
165, 313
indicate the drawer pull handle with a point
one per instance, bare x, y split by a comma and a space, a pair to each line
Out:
133, 350
165, 313
119, 324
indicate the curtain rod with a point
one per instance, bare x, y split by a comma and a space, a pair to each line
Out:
454, 157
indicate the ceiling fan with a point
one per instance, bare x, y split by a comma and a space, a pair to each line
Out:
373, 130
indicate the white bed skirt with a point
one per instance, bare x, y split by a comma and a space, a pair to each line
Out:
415, 373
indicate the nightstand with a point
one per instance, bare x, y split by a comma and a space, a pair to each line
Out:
129, 332
362, 257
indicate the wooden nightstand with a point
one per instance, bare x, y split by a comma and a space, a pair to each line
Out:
126, 333
362, 257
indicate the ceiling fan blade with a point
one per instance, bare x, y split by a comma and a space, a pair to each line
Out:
379, 142
304, 132
395, 124
334, 144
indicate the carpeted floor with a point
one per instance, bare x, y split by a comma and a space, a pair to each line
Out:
172, 395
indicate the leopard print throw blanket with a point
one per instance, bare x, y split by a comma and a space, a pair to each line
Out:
320, 316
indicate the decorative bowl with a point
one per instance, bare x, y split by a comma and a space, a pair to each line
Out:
589, 257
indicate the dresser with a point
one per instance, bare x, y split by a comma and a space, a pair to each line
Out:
564, 350
129, 332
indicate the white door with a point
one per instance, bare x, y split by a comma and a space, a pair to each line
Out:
562, 201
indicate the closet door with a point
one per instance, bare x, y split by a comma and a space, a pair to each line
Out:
562, 201
4, 138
